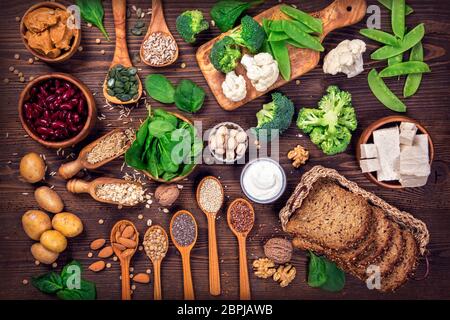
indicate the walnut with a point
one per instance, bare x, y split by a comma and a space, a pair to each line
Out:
299, 155
285, 274
264, 268
279, 250
166, 195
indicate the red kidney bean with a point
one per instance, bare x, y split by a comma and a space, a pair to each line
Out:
50, 98
41, 123
58, 124
76, 117
46, 115
66, 106
44, 130
81, 107
57, 83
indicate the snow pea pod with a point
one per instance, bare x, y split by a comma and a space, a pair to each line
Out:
398, 18
409, 41
302, 26
388, 5
311, 22
276, 25
281, 54
404, 68
380, 36
295, 44
277, 36
413, 81
395, 59
383, 93
301, 37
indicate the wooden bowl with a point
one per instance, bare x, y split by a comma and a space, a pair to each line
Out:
366, 136
64, 56
91, 117
148, 174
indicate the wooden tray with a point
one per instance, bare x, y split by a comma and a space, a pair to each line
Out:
341, 13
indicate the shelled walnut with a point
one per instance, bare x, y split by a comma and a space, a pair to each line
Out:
264, 268
285, 274
299, 155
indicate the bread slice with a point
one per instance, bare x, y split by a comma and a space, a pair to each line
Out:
332, 217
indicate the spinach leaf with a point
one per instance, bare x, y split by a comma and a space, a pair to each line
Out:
187, 168
92, 11
66, 272
133, 156
153, 160
166, 157
87, 291
188, 96
317, 271
335, 278
158, 128
160, 113
159, 88
225, 13
169, 176
325, 274
48, 283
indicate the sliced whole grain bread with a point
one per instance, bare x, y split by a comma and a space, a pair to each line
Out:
332, 217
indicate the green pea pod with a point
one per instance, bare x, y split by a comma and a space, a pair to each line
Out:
413, 81
383, 93
395, 59
281, 54
311, 22
404, 68
388, 5
409, 41
302, 26
398, 18
295, 44
380, 36
276, 25
277, 36
301, 37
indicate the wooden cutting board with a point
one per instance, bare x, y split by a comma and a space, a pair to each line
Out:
341, 13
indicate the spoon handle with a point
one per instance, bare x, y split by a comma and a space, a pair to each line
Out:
214, 273
121, 53
125, 266
68, 170
78, 186
187, 276
157, 14
157, 295
244, 282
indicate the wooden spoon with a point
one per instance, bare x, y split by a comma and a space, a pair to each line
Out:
185, 252
244, 282
158, 24
157, 295
214, 273
124, 260
121, 55
70, 169
81, 186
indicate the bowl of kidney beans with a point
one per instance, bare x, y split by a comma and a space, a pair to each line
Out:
57, 110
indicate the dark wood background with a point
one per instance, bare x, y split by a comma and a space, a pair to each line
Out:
431, 203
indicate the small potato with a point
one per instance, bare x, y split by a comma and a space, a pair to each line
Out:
32, 167
53, 240
68, 224
42, 254
48, 200
35, 223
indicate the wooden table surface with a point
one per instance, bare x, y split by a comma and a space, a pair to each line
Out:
430, 203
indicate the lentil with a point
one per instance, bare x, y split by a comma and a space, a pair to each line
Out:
184, 230
122, 193
110, 146
241, 217
210, 195
155, 244
159, 49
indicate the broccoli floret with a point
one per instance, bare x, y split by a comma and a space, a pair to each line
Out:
225, 55
190, 23
276, 115
250, 35
331, 124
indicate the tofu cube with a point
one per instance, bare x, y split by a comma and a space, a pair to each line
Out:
369, 165
408, 131
414, 159
387, 142
368, 151
413, 181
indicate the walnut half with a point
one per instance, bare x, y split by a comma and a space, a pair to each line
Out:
264, 268
299, 155
285, 274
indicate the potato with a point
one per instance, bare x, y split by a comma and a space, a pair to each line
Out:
68, 224
32, 167
48, 200
35, 222
53, 240
42, 254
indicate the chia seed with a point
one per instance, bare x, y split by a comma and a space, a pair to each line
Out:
210, 196
159, 49
241, 217
184, 230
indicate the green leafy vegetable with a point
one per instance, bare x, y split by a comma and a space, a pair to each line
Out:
225, 55
225, 13
159, 88
330, 125
92, 11
276, 115
188, 96
325, 274
250, 34
190, 23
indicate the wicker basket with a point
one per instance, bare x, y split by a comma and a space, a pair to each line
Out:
417, 227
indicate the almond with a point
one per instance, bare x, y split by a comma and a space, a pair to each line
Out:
117, 235
119, 246
128, 232
97, 266
141, 278
127, 242
97, 244
127, 253
122, 227
106, 252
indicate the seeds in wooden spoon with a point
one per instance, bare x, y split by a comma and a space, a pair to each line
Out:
183, 230
121, 193
110, 146
210, 196
159, 49
155, 244
123, 83
241, 217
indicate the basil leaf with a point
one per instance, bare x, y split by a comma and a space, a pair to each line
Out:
159, 88
188, 96
48, 283
92, 11
87, 291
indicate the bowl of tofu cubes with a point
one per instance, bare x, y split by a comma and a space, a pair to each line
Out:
396, 152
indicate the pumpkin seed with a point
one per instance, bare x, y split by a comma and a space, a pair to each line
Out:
110, 92
118, 91
139, 24
136, 32
111, 82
